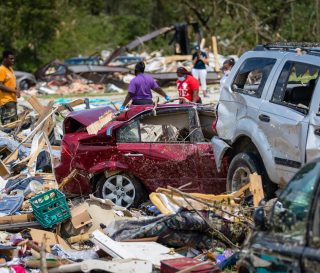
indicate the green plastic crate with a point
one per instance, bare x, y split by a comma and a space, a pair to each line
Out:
50, 208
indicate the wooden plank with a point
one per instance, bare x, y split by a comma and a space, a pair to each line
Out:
202, 43
72, 104
4, 172
93, 128
11, 157
256, 189
36, 105
215, 53
67, 179
176, 58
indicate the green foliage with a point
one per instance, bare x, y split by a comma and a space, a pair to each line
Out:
42, 30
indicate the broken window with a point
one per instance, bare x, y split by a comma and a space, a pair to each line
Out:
252, 76
165, 127
295, 86
290, 212
206, 122
129, 133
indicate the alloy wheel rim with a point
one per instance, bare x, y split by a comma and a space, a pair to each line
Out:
240, 178
120, 190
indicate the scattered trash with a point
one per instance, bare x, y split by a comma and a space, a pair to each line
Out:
43, 228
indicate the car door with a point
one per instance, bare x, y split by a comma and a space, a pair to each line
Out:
280, 248
284, 116
311, 254
240, 97
313, 139
133, 155
211, 181
173, 155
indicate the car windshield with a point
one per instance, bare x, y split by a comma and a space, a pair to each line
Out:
291, 210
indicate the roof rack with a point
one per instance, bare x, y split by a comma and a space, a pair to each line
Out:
306, 47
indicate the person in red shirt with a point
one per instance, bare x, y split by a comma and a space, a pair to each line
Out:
187, 85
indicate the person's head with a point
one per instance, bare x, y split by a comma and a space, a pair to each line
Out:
182, 73
197, 49
227, 65
139, 68
8, 58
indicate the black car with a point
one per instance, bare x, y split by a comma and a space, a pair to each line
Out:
289, 239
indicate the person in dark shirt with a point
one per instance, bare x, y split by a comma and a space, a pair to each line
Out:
199, 71
140, 88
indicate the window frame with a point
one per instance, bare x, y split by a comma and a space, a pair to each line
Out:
295, 107
160, 112
126, 125
256, 94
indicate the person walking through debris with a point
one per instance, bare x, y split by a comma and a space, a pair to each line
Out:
199, 71
140, 87
187, 85
8, 89
226, 68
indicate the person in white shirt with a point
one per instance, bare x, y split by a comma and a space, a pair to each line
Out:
226, 68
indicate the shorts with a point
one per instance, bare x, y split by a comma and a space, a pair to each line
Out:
8, 113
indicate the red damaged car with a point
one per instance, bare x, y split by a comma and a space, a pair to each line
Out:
140, 150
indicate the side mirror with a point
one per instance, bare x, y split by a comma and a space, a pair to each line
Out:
259, 219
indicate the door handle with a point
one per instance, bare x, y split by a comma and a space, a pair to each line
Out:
133, 155
264, 118
317, 132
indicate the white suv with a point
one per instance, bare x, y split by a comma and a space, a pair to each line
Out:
268, 118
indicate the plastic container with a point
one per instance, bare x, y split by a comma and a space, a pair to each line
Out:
50, 208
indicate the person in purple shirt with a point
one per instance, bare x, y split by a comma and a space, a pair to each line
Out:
140, 87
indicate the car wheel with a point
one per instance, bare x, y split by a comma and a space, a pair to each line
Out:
24, 85
121, 189
241, 166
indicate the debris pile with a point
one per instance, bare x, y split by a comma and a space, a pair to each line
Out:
42, 229
59, 78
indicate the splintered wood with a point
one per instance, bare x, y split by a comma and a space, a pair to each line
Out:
256, 189
94, 128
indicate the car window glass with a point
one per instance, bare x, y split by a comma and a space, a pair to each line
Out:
129, 133
295, 86
315, 239
291, 210
252, 76
168, 127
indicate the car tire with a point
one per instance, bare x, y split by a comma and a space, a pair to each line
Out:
24, 85
122, 189
241, 166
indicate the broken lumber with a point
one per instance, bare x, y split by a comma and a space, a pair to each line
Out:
94, 128
215, 53
67, 179
256, 188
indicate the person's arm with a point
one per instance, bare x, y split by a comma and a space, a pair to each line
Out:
194, 84
9, 90
195, 95
204, 58
195, 58
126, 100
160, 91
156, 88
